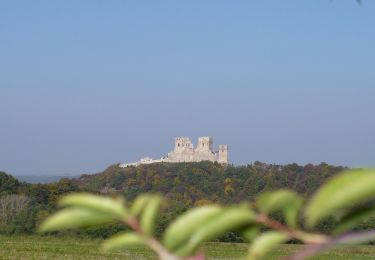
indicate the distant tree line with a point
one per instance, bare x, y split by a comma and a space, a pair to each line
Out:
24, 206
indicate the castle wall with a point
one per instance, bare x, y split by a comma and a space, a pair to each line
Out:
184, 152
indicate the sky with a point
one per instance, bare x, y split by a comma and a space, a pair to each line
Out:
86, 84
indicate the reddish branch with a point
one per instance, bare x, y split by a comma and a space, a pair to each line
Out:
348, 238
310, 238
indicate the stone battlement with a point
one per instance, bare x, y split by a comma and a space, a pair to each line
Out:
184, 151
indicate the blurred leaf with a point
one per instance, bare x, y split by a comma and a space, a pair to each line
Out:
139, 204
353, 219
71, 218
291, 212
149, 214
285, 200
179, 230
228, 220
123, 240
250, 233
343, 191
96, 203
264, 243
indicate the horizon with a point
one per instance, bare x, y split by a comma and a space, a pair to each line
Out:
102, 170
84, 86
20, 176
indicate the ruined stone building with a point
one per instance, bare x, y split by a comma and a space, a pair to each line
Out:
184, 151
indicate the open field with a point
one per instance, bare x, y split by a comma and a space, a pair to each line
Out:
34, 247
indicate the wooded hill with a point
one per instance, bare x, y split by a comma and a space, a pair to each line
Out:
184, 185
191, 183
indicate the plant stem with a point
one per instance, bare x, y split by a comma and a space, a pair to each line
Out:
348, 238
154, 244
309, 238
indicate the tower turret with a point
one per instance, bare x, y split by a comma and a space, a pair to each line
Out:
204, 144
223, 154
182, 144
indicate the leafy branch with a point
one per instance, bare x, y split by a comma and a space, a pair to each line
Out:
182, 239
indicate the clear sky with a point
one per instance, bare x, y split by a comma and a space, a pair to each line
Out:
84, 84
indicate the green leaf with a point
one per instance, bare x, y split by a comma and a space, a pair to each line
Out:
149, 214
139, 204
285, 200
229, 219
353, 219
264, 243
123, 240
179, 230
71, 218
291, 212
344, 191
250, 233
97, 203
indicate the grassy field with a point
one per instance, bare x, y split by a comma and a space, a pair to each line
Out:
34, 247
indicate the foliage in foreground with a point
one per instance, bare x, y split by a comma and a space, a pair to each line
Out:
348, 197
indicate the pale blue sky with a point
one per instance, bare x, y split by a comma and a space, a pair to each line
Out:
84, 84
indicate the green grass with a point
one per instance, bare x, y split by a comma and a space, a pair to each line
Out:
35, 247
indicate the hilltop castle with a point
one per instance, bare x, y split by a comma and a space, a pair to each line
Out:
184, 152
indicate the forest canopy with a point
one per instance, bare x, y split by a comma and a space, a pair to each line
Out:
184, 185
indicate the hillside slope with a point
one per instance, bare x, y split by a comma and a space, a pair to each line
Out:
193, 183
184, 185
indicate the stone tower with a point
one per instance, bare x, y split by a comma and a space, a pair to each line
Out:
223, 154
182, 144
183, 150
204, 144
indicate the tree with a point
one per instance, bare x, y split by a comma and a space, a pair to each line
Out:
11, 206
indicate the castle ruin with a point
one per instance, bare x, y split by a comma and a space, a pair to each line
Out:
184, 151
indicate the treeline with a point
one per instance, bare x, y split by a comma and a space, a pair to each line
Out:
184, 185
196, 183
